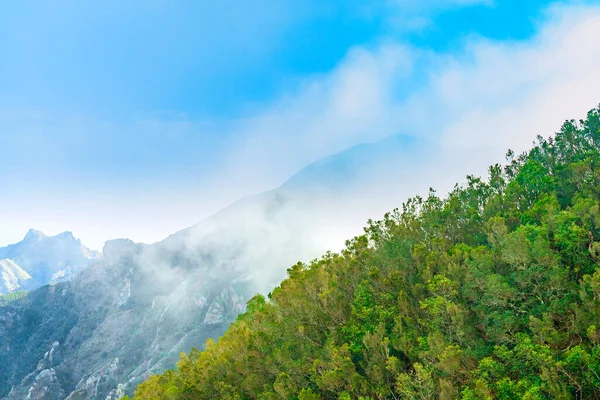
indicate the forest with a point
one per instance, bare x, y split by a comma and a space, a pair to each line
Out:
7, 298
491, 292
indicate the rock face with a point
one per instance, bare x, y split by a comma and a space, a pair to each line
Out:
135, 309
43, 382
38, 260
130, 314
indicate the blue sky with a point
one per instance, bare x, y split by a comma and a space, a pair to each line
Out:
134, 119
116, 59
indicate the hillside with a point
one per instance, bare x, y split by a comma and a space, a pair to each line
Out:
98, 334
491, 292
137, 307
12, 277
38, 260
6, 299
312, 212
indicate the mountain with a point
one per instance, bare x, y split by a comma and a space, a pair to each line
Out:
12, 277
39, 260
135, 309
317, 209
491, 292
129, 313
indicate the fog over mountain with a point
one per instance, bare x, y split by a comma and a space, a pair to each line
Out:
218, 144
134, 309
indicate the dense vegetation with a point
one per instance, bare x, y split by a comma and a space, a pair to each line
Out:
493, 292
7, 298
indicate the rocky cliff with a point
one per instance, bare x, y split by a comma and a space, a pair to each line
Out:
128, 315
137, 307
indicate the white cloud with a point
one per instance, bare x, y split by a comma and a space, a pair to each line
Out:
330, 113
490, 97
508, 93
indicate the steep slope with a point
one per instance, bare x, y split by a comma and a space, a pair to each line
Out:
135, 309
492, 292
126, 315
46, 259
12, 277
317, 209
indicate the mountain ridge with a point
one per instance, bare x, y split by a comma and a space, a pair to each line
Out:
180, 291
46, 259
490, 292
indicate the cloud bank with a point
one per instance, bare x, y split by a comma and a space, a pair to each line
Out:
490, 96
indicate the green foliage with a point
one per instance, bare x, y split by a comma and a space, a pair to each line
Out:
491, 293
7, 298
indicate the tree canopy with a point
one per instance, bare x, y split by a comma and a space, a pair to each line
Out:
490, 293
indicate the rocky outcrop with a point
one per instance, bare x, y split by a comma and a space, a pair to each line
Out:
134, 310
127, 316
43, 382
38, 260
224, 307
41, 386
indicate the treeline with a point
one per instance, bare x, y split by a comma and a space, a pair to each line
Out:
490, 293
7, 298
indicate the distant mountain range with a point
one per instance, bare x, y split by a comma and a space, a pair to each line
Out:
135, 308
38, 260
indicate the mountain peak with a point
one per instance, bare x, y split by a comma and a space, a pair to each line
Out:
66, 235
34, 234
46, 259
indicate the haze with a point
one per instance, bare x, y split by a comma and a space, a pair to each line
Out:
139, 120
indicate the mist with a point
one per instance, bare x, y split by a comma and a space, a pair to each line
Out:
454, 100
302, 174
